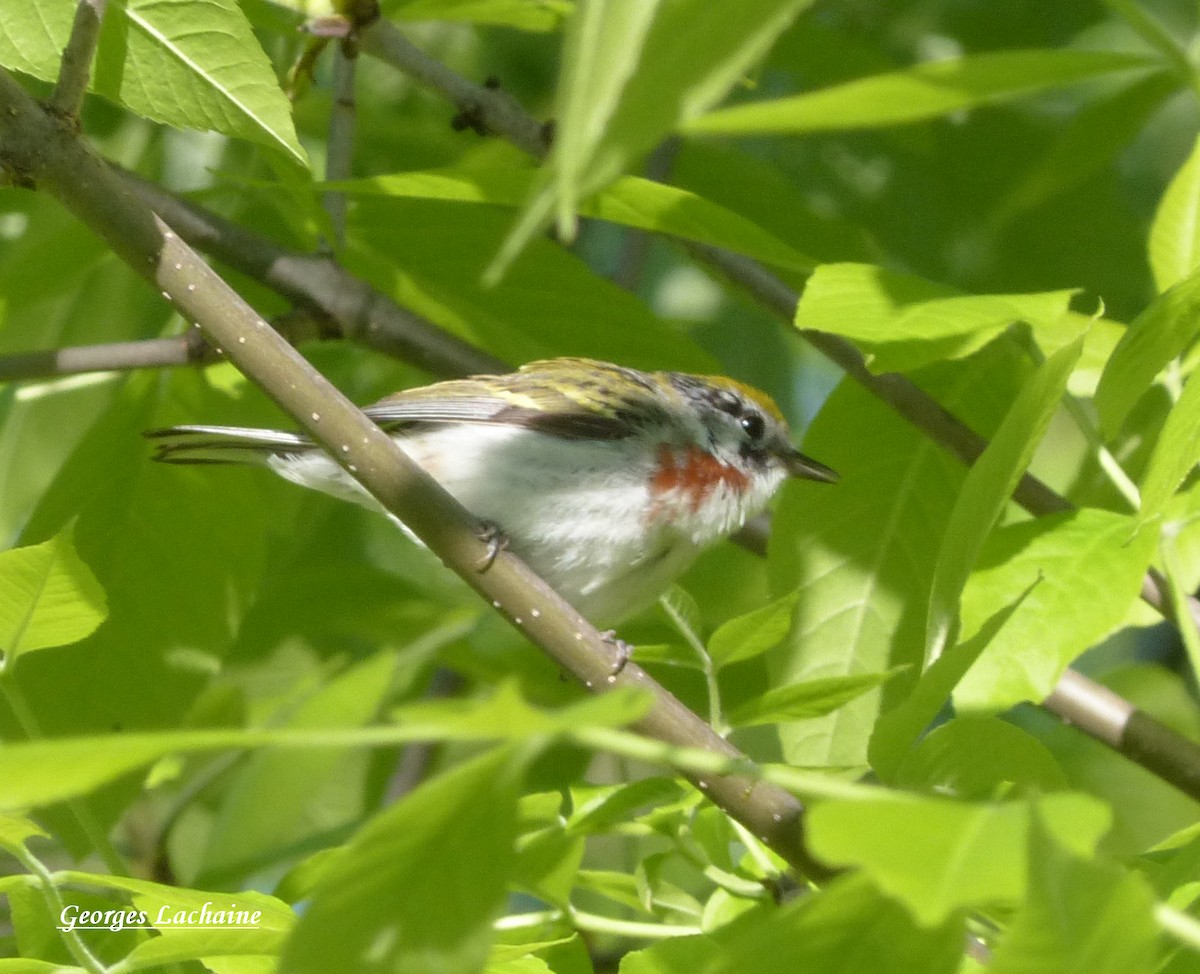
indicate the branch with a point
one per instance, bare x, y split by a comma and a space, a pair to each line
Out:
75, 71
42, 147
340, 146
485, 109
187, 349
355, 309
496, 112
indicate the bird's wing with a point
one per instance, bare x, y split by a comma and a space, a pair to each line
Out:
534, 398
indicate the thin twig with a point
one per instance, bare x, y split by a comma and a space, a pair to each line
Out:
635, 245
75, 72
186, 349
490, 108
339, 153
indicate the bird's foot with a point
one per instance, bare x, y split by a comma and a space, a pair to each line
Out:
624, 649
495, 539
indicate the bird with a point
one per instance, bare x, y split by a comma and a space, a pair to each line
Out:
607, 481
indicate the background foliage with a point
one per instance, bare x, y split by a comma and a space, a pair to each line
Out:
998, 201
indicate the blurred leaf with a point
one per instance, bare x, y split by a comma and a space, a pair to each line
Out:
978, 758
632, 71
545, 15
429, 255
904, 322
754, 633
1176, 450
845, 926
938, 856
15, 830
1076, 576
279, 798
35, 773
929, 90
182, 942
1168, 325
1175, 234
548, 864
1088, 141
1080, 915
191, 63
761, 191
630, 201
804, 701
419, 886
505, 714
613, 804
48, 597
988, 488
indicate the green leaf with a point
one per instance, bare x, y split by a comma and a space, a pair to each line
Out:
1080, 917
861, 558
938, 856
15, 830
898, 730
32, 36
610, 805
1176, 451
632, 71
186, 63
48, 597
24, 965
280, 798
1076, 576
630, 201
926, 91
1163, 330
1175, 233
845, 926
754, 633
35, 773
1088, 141
804, 701
178, 942
429, 255
545, 15
979, 758
988, 488
903, 322
419, 886
505, 714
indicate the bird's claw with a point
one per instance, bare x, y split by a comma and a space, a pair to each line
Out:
624, 649
495, 539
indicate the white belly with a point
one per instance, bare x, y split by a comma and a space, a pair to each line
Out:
589, 532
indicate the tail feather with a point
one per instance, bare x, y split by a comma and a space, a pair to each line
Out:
224, 444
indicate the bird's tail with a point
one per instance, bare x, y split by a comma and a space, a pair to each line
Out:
224, 444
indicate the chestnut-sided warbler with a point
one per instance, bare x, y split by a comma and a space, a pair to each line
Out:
605, 480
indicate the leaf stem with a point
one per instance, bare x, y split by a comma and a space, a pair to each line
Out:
693, 640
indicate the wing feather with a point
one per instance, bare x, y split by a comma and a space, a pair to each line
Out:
532, 398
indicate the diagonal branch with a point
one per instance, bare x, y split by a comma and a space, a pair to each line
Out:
40, 146
355, 309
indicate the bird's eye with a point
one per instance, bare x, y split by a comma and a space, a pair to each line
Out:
753, 425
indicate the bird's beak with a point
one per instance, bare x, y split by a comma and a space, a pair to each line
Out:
798, 465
